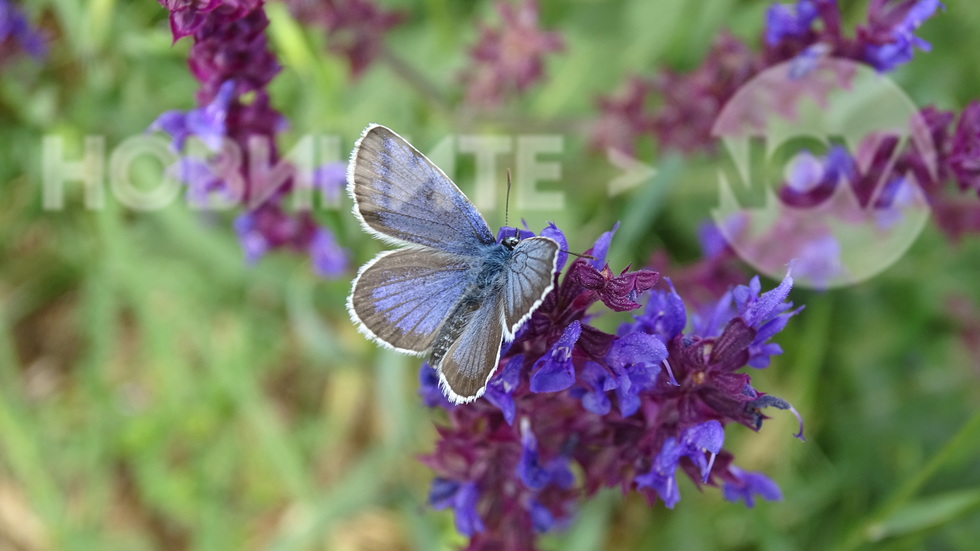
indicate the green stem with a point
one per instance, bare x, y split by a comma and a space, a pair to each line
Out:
966, 436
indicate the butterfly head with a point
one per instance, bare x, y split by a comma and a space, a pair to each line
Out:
510, 242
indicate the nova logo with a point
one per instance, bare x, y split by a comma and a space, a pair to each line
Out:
824, 166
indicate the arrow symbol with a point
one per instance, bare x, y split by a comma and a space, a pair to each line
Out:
635, 173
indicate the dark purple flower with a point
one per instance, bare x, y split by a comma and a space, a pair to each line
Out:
16, 33
691, 102
354, 29
964, 155
509, 59
744, 486
230, 57
623, 118
801, 33
693, 443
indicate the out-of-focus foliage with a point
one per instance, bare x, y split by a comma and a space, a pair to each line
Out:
157, 393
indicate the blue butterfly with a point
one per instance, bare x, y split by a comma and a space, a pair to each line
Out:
452, 292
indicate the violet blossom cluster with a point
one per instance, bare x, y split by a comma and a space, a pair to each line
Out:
354, 28
574, 409
509, 59
235, 120
885, 172
16, 34
689, 103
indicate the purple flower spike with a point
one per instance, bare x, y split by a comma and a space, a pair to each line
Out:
354, 29
509, 59
554, 371
964, 158
557, 377
744, 485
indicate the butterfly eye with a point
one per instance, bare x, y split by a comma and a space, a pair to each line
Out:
510, 242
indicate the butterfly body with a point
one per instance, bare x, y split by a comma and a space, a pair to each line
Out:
452, 293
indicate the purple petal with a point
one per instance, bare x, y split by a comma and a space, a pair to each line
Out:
748, 484
554, 371
601, 247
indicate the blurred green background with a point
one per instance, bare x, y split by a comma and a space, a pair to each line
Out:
157, 393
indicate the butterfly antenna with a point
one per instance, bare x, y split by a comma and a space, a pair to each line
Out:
585, 256
507, 199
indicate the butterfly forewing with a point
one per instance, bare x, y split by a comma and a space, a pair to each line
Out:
528, 278
403, 197
402, 297
472, 358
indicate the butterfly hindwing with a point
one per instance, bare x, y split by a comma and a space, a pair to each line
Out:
403, 197
472, 358
529, 275
401, 298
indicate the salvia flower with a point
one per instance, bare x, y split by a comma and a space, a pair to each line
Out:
699, 443
744, 486
573, 409
801, 33
237, 123
508, 59
354, 29
964, 154
888, 35
16, 35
